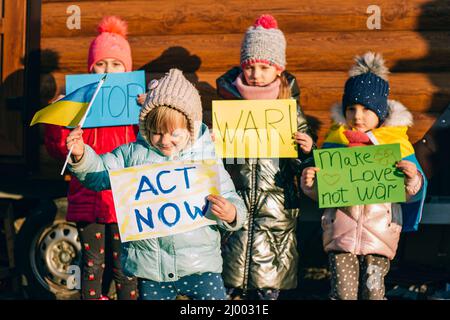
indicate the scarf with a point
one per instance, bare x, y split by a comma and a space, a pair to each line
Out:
268, 92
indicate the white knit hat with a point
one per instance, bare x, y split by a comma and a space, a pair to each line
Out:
174, 91
264, 42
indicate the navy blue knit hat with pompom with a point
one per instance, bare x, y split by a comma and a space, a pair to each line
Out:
368, 85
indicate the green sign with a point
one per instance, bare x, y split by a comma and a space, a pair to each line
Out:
359, 175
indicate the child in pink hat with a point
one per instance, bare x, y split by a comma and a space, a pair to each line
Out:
110, 43
93, 212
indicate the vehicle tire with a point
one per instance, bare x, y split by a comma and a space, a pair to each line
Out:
47, 245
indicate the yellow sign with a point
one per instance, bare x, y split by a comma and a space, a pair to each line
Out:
255, 128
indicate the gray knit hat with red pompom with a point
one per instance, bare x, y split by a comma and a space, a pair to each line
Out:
265, 43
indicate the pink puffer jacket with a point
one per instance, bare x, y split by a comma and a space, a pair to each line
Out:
363, 229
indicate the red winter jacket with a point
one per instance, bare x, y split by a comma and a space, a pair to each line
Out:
86, 205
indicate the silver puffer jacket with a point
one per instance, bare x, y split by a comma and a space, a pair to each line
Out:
263, 254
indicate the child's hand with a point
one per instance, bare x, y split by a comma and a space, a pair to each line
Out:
222, 208
141, 98
304, 141
408, 168
75, 139
309, 177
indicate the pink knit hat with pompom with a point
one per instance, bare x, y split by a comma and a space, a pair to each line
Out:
265, 43
111, 43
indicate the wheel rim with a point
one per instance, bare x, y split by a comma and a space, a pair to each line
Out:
52, 252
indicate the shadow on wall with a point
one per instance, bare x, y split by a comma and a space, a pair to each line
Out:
181, 58
430, 246
48, 86
12, 114
433, 151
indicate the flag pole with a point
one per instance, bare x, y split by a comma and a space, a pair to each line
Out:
81, 123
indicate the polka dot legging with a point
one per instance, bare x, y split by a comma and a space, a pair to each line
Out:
354, 276
97, 241
253, 294
203, 286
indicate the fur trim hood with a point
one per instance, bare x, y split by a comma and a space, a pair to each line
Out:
398, 115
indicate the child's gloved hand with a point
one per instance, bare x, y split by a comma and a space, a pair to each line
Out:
304, 141
308, 178
222, 208
408, 168
75, 139
141, 98
357, 138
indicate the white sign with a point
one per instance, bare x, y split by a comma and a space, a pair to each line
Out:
163, 199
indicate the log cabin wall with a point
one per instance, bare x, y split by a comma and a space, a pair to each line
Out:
203, 37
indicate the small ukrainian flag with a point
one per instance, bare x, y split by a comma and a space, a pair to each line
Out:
69, 110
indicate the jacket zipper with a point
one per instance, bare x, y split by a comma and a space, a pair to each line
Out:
359, 229
250, 230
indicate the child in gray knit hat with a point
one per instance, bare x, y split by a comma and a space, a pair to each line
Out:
261, 259
170, 126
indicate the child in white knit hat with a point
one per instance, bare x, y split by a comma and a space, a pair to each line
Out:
261, 258
170, 128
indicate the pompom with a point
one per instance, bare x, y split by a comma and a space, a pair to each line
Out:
113, 24
266, 21
370, 62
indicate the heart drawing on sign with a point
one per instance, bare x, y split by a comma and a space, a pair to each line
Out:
331, 179
384, 157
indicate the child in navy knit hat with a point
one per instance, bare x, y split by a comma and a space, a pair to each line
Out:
368, 86
362, 239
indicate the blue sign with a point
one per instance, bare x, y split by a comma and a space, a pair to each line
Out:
116, 103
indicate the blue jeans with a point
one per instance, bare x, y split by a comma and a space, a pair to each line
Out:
203, 286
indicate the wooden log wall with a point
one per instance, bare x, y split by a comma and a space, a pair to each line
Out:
203, 38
